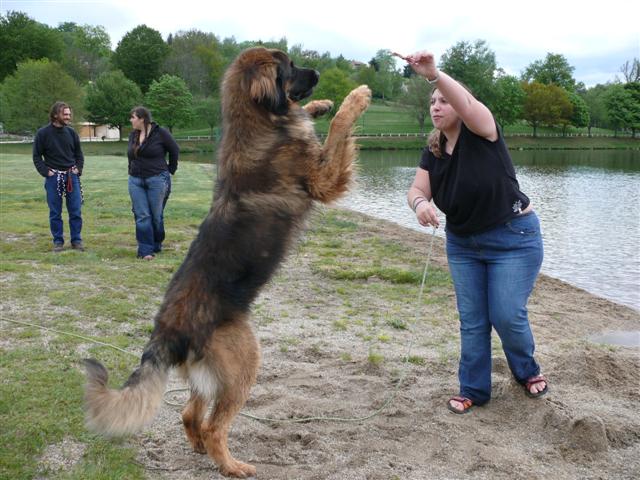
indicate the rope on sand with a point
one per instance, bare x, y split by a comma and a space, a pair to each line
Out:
362, 418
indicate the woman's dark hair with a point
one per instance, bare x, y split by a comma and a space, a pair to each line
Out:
56, 108
144, 114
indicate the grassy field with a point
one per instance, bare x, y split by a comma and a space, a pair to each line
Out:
393, 118
103, 293
108, 295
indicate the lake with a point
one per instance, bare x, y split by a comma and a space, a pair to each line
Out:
588, 203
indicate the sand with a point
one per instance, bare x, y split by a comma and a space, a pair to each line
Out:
587, 427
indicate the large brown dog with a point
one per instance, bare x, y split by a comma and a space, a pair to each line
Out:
271, 169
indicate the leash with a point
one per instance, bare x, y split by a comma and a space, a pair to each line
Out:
393, 394
386, 403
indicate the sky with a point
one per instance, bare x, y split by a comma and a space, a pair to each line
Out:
596, 38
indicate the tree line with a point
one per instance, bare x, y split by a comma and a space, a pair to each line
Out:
178, 79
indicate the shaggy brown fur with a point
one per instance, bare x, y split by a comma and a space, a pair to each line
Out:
271, 169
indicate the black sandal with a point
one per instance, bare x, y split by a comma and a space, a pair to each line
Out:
533, 381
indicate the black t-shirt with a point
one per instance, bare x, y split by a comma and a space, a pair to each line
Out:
476, 185
150, 158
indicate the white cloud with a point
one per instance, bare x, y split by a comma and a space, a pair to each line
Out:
593, 37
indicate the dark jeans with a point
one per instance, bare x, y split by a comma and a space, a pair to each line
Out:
493, 273
148, 199
74, 204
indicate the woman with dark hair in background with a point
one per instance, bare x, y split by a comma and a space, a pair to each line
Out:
150, 179
494, 243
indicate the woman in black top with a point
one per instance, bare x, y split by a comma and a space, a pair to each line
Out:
494, 243
150, 179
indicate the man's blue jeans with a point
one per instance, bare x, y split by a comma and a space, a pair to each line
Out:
74, 205
148, 199
493, 273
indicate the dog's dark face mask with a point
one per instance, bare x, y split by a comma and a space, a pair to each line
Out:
292, 83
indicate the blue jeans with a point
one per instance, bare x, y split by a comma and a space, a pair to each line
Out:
74, 204
148, 199
493, 273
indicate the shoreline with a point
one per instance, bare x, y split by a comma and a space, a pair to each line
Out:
425, 233
439, 247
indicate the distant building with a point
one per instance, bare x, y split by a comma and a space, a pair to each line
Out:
92, 132
356, 64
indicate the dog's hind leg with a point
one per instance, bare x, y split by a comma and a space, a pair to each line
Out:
192, 417
235, 356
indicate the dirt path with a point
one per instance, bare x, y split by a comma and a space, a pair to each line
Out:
588, 427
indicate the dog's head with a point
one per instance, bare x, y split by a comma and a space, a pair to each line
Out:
271, 79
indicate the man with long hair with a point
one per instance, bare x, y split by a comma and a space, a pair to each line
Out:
58, 158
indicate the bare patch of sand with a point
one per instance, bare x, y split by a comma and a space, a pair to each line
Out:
587, 427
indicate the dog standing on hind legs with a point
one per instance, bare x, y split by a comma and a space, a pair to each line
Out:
271, 168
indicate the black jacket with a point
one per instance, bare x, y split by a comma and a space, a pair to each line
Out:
150, 157
57, 148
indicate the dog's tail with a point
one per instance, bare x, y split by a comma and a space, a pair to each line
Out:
127, 410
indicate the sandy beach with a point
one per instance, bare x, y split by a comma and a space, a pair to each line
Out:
587, 427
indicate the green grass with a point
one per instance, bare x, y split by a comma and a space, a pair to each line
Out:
392, 118
103, 293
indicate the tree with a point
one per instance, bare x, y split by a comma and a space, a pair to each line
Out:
111, 98
545, 105
407, 71
619, 104
553, 70
22, 38
365, 75
594, 98
229, 49
140, 55
387, 80
170, 101
633, 88
475, 66
344, 64
508, 100
87, 50
196, 57
29, 93
334, 85
579, 112
208, 110
417, 98
631, 70
623, 106
310, 58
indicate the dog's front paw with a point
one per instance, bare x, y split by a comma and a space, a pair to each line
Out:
316, 108
358, 99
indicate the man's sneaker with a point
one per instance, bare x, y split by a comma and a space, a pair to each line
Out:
58, 247
78, 246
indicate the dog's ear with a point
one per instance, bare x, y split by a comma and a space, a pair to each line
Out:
267, 89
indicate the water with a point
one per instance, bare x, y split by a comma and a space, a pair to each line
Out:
618, 337
588, 203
